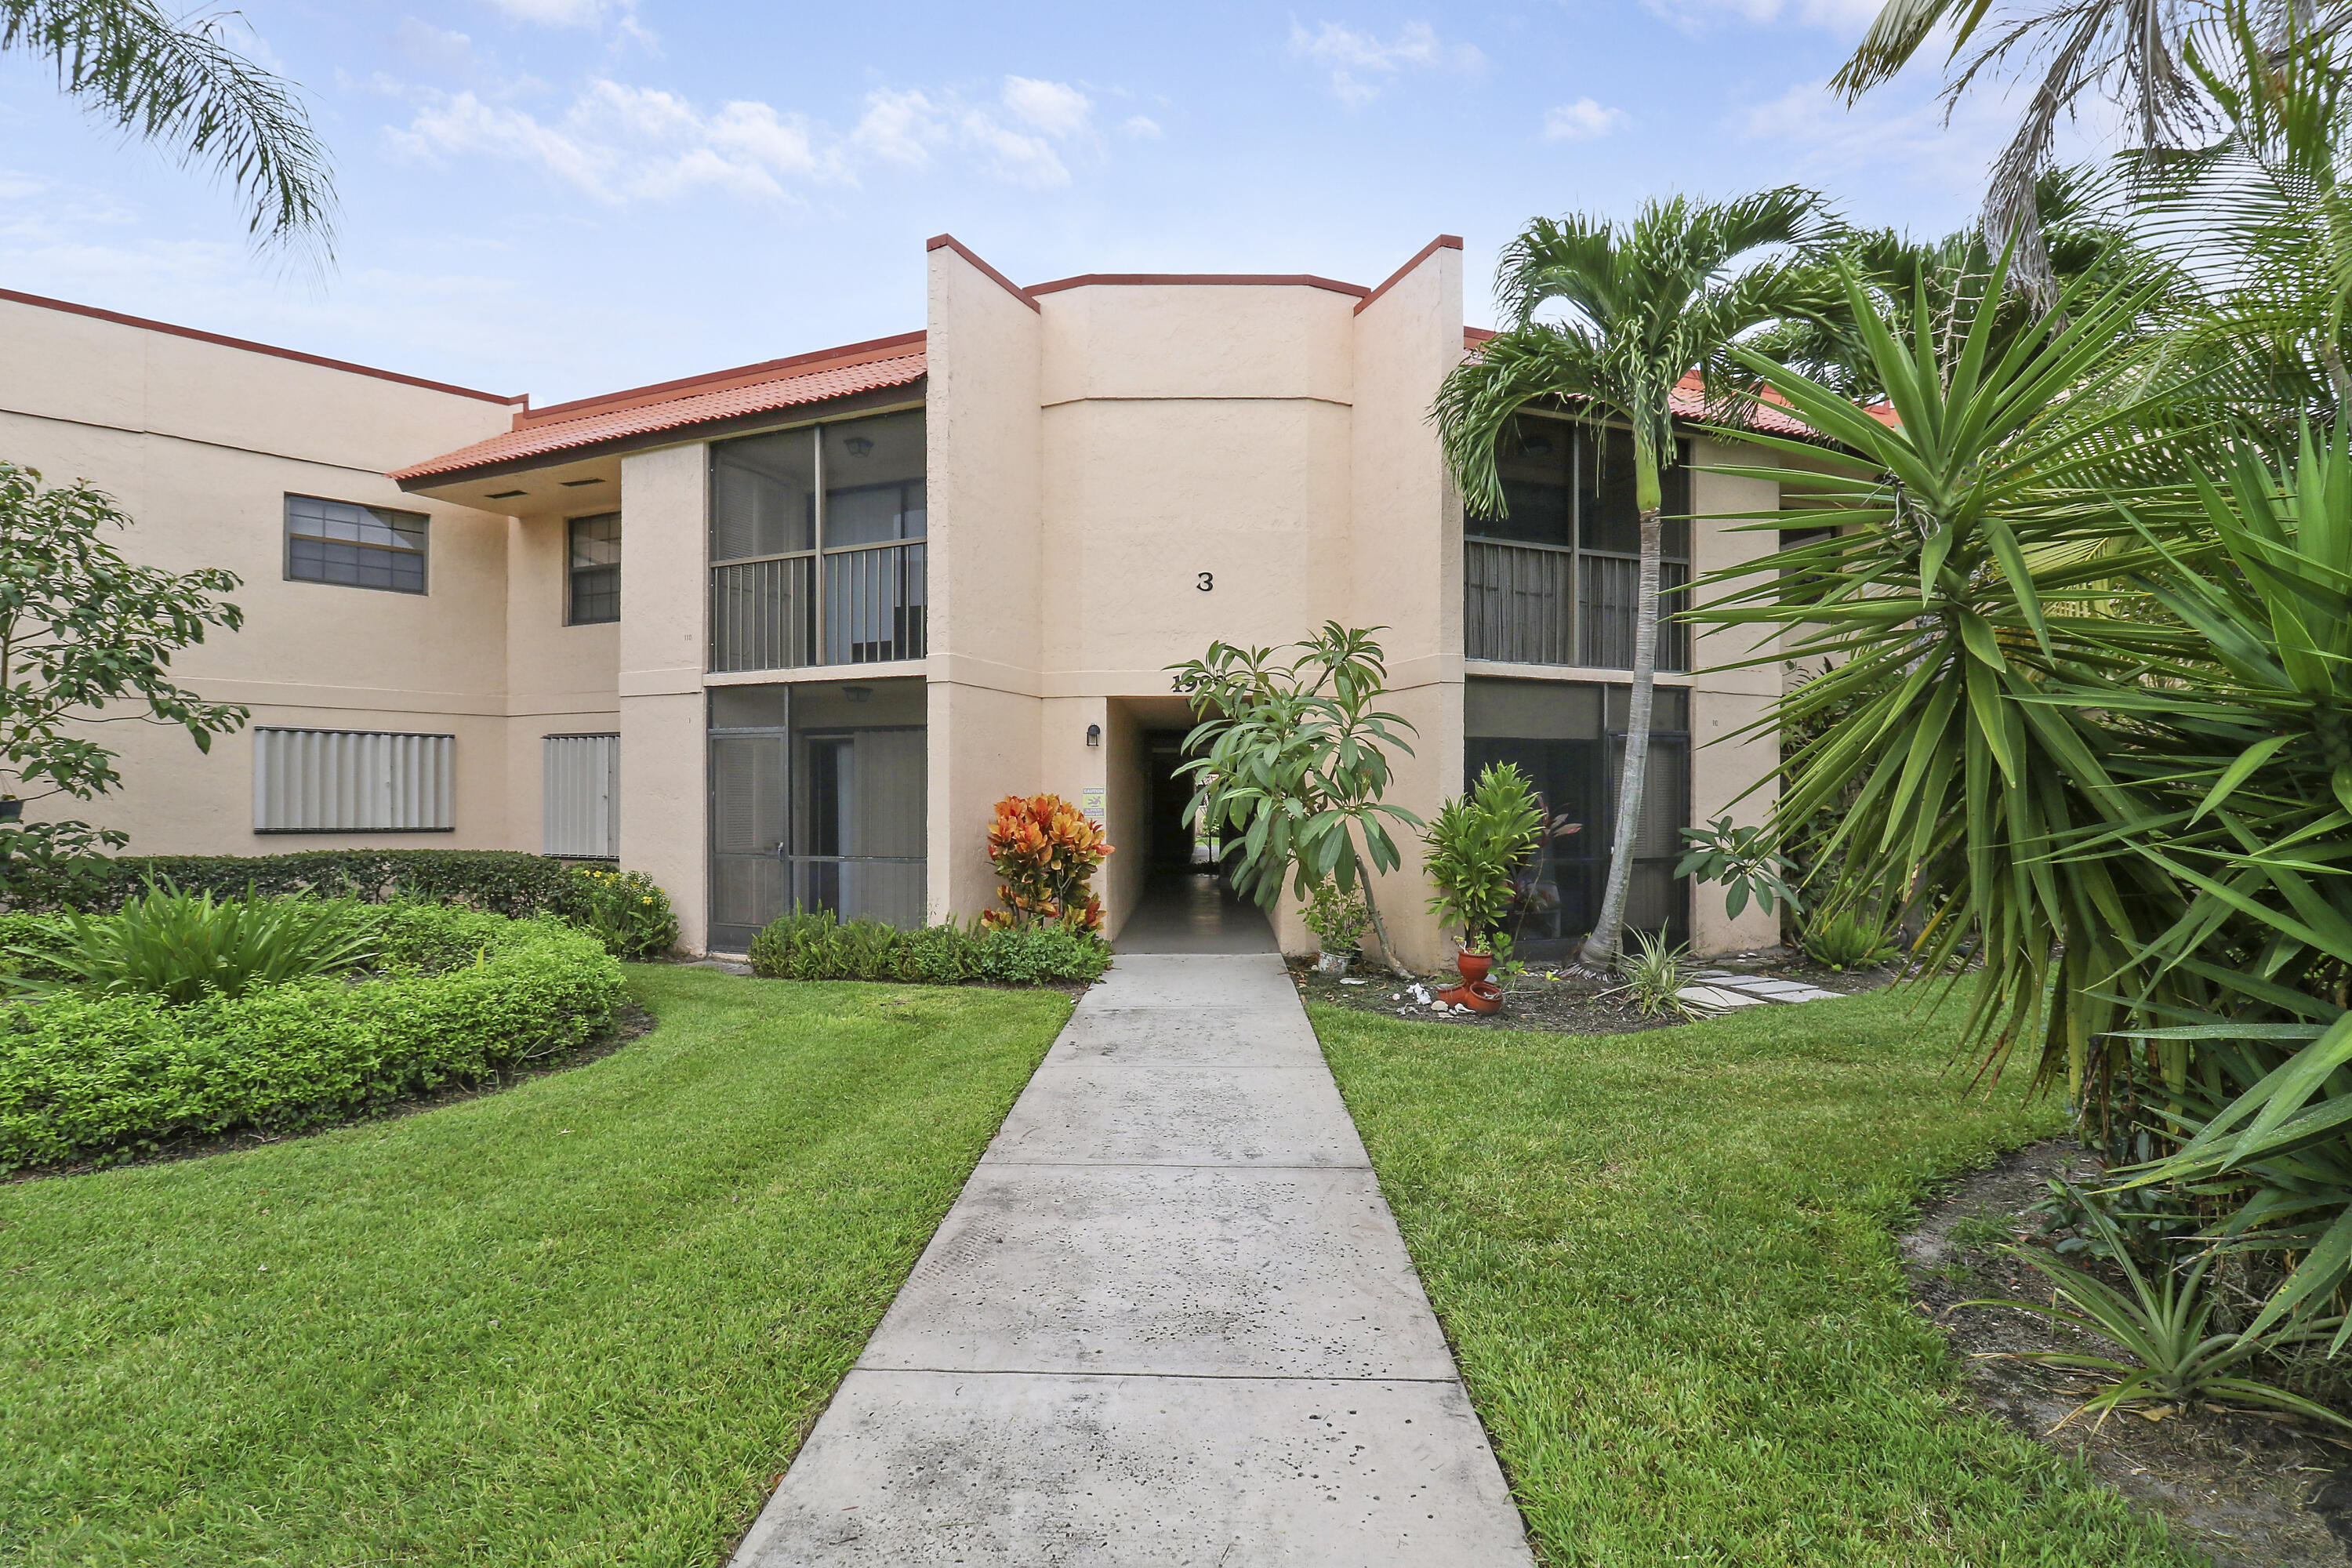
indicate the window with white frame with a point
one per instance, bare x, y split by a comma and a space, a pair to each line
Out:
357, 546
580, 796
354, 781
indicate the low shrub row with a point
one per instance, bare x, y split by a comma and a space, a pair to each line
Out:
625, 909
816, 946
458, 994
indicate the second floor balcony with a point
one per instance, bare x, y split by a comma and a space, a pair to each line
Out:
1555, 578
817, 546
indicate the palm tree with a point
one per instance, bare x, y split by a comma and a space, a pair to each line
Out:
179, 85
1647, 304
2139, 54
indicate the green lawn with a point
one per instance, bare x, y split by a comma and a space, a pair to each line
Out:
1666, 1264
580, 1323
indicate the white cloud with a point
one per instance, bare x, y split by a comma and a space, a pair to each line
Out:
616, 142
1582, 120
1143, 127
1851, 17
424, 44
1360, 63
566, 13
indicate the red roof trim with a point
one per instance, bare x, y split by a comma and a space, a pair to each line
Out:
633, 428
1443, 242
950, 242
717, 380
1260, 280
215, 338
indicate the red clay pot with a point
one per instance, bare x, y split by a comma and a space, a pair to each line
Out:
1473, 966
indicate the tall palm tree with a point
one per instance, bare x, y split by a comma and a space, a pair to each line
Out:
2139, 54
1646, 303
177, 83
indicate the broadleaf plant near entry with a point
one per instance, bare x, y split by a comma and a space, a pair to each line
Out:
1289, 761
1477, 842
86, 635
1047, 851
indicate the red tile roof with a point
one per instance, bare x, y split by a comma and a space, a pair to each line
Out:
1769, 416
599, 421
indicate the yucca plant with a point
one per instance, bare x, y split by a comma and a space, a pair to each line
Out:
1845, 936
1654, 971
182, 947
2164, 1326
1952, 596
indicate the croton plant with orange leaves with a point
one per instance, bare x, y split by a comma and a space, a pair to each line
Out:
1046, 850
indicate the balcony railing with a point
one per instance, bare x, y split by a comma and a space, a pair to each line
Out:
866, 605
1536, 603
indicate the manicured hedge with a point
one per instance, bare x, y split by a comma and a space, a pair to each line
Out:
502, 881
462, 994
814, 946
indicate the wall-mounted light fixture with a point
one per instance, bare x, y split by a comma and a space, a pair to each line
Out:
858, 446
1094, 734
858, 693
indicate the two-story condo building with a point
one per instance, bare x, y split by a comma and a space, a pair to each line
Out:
786, 632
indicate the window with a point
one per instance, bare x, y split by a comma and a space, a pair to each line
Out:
352, 781
1554, 579
357, 546
595, 546
580, 797
1569, 738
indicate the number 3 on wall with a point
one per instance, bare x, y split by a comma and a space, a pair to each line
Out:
1208, 582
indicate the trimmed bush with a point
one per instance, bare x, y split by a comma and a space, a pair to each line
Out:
502, 881
813, 945
624, 910
464, 994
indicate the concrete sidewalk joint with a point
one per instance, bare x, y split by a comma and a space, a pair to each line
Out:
1169, 1322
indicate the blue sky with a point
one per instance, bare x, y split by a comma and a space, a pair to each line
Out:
566, 197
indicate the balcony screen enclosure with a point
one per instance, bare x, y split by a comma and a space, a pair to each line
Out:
817, 545
817, 797
1569, 738
1552, 579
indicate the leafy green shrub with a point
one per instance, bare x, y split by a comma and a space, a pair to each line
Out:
502, 881
1038, 955
1476, 842
1846, 938
29, 945
466, 993
936, 955
184, 946
625, 911
797, 947
1337, 919
866, 949
813, 945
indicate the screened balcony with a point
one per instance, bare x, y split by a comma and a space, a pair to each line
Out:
817, 546
1553, 579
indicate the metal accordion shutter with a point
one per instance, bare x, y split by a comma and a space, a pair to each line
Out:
354, 781
580, 796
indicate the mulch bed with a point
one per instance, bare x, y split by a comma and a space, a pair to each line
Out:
1567, 1005
2253, 1491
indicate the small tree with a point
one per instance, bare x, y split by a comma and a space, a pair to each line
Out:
82, 631
1289, 757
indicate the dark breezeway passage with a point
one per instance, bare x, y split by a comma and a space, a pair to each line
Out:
1187, 904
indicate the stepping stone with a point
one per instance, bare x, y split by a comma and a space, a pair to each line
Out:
1717, 998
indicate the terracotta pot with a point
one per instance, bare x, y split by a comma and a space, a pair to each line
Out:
1473, 966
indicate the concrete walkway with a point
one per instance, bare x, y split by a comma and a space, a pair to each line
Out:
1169, 1321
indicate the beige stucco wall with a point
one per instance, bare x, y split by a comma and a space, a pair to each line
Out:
201, 442
665, 594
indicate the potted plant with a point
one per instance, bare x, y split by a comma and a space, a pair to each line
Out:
1475, 842
1338, 922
